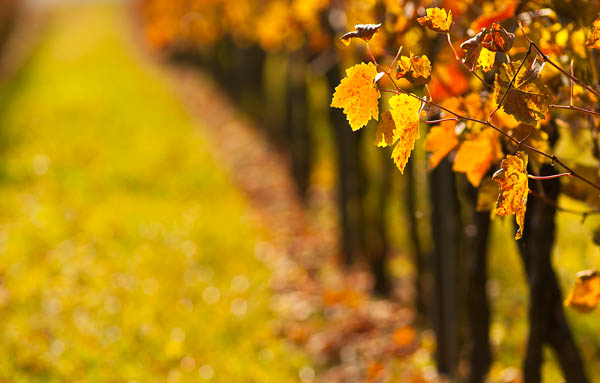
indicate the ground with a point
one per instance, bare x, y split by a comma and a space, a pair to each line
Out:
126, 253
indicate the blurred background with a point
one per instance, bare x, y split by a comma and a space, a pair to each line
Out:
178, 202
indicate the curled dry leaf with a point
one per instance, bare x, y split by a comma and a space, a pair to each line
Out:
357, 95
498, 39
585, 294
415, 69
593, 40
437, 19
512, 180
480, 49
528, 98
363, 31
405, 112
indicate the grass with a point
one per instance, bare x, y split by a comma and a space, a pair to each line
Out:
125, 252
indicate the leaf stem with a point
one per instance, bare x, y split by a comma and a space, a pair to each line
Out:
549, 177
441, 120
371, 54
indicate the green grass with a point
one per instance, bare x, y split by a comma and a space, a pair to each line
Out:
118, 231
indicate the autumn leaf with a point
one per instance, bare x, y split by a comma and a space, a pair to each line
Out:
498, 39
440, 141
593, 40
437, 19
357, 95
405, 112
363, 31
513, 182
480, 49
486, 60
385, 130
476, 155
415, 69
528, 98
448, 80
472, 48
584, 296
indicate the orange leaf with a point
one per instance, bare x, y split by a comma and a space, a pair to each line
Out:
593, 40
405, 112
498, 39
357, 95
513, 182
440, 141
437, 19
363, 31
405, 336
486, 20
585, 294
476, 155
416, 69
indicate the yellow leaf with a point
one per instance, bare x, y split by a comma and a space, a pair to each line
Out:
437, 19
528, 98
357, 95
593, 40
585, 294
486, 59
416, 69
385, 130
440, 141
476, 155
513, 182
405, 112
